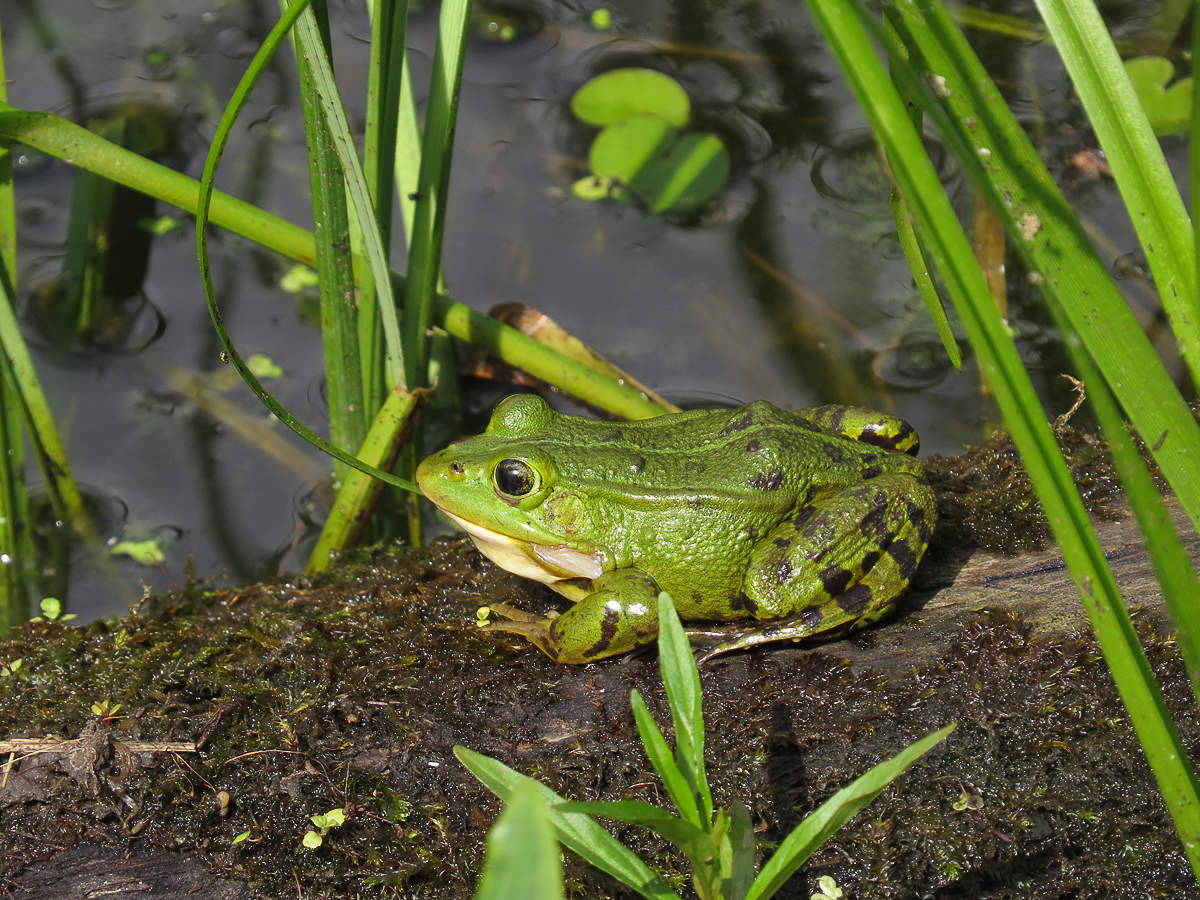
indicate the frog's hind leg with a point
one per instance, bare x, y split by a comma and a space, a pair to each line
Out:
838, 565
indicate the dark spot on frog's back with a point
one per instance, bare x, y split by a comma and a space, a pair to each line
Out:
810, 617
783, 543
834, 580
874, 524
872, 471
753, 446
906, 560
917, 516
855, 600
892, 440
802, 516
739, 424
771, 481
784, 572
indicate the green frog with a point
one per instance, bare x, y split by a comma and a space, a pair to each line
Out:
781, 524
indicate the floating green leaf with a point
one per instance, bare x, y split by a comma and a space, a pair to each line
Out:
622, 150
625, 93
669, 175
695, 168
263, 366
594, 187
1168, 109
147, 553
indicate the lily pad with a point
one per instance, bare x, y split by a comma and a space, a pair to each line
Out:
1168, 109
696, 167
667, 174
625, 148
626, 93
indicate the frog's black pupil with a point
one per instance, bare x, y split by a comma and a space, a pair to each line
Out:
514, 477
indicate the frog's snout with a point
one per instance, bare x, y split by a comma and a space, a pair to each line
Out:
439, 469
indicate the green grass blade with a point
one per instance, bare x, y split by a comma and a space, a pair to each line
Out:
424, 260
910, 245
204, 194
18, 572
1019, 185
693, 841
63, 491
65, 140
682, 682
348, 412
678, 787
1136, 159
309, 41
406, 169
1194, 151
522, 853
1023, 194
385, 69
358, 488
833, 814
577, 832
1015, 396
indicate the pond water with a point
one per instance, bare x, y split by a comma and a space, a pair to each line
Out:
789, 286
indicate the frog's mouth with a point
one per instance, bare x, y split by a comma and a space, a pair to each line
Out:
539, 562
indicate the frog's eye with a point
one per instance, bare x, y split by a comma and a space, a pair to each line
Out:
514, 478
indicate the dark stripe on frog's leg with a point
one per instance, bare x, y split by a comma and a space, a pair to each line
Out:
846, 559
866, 425
620, 613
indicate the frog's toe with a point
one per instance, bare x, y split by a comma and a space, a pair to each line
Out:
534, 629
511, 613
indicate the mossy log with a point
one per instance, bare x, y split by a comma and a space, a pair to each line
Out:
350, 692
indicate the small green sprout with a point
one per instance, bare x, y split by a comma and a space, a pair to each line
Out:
332, 819
9, 669
241, 837
52, 611
967, 800
827, 889
105, 711
719, 842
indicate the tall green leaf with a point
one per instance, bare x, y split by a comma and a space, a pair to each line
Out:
843, 26
1136, 159
424, 261
348, 413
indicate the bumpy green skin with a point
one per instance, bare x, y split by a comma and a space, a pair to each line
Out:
805, 521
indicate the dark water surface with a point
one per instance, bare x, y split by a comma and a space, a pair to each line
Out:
790, 286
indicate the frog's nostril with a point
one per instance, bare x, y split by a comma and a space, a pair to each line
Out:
457, 469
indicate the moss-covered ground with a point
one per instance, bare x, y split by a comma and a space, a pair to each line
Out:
350, 692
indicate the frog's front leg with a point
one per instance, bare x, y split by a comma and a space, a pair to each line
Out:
840, 563
620, 613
